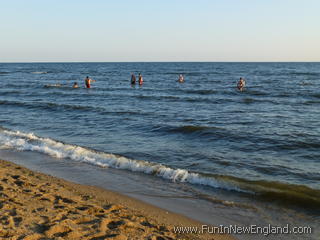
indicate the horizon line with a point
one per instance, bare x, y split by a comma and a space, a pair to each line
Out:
162, 62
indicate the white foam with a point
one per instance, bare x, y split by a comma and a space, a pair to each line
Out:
39, 72
30, 142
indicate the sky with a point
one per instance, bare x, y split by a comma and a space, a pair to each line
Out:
159, 30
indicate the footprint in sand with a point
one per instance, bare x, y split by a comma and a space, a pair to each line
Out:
15, 176
115, 224
83, 208
19, 183
147, 224
59, 207
40, 209
41, 228
62, 229
45, 199
59, 199
4, 180
58, 231
17, 221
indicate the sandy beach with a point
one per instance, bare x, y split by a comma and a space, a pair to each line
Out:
37, 206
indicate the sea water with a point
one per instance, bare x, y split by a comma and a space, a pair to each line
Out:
252, 149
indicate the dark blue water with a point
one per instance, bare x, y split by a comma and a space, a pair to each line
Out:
263, 141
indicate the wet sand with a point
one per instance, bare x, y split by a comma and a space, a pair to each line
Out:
37, 206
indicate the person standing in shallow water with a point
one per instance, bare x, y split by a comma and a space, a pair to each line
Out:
133, 79
181, 78
241, 84
140, 79
88, 82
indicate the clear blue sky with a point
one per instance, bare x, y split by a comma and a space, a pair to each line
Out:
159, 30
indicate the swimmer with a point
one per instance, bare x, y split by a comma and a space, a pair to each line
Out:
133, 79
88, 82
53, 85
75, 85
241, 84
140, 79
181, 78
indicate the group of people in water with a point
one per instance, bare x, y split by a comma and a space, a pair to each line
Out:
133, 79
140, 79
240, 85
87, 82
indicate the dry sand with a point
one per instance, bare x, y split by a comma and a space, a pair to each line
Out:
37, 206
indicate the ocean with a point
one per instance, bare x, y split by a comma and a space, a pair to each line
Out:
253, 155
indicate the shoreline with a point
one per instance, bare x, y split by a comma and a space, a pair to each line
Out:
36, 206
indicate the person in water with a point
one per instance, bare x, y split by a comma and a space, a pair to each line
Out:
140, 79
133, 79
241, 84
88, 82
181, 78
53, 85
75, 85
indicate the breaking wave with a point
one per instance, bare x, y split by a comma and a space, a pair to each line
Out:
30, 142
284, 193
